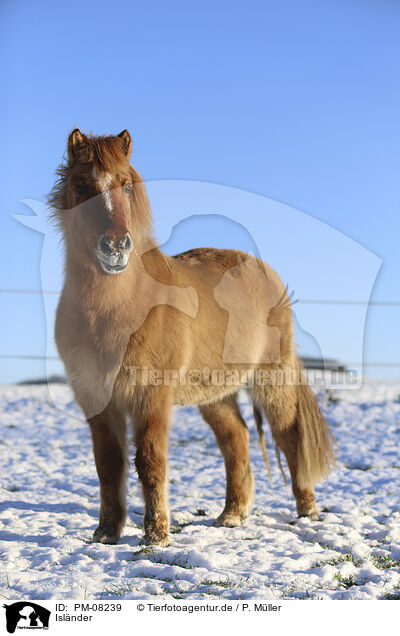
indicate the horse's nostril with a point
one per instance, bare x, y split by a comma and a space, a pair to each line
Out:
105, 245
128, 242
124, 243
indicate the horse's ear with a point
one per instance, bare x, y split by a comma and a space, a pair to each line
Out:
75, 142
126, 142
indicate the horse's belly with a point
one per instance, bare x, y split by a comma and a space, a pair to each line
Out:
206, 385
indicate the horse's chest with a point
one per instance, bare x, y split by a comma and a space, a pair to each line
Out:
92, 374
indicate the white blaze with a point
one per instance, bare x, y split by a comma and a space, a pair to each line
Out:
103, 182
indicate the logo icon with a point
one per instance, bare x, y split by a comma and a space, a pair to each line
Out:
26, 615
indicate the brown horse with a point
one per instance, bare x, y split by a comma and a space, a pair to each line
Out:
139, 331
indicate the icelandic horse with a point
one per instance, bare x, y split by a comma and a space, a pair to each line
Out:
126, 307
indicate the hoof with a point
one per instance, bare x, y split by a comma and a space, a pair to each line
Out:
311, 512
156, 539
103, 534
229, 520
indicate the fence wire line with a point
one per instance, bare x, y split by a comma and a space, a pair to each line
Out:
305, 301
4, 356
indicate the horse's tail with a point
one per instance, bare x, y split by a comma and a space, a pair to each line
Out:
315, 450
298, 427
261, 437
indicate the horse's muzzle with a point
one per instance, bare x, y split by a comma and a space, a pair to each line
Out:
113, 254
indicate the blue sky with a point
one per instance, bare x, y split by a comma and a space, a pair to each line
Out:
298, 102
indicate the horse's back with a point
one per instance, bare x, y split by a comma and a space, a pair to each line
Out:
220, 259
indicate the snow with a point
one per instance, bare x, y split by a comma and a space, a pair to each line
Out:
49, 506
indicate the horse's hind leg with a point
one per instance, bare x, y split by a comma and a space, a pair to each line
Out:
288, 441
232, 437
110, 452
301, 432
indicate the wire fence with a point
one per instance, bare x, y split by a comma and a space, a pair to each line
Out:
303, 301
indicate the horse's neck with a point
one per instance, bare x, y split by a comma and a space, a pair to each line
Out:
109, 299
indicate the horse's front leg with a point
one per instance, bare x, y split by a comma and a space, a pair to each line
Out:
151, 436
110, 452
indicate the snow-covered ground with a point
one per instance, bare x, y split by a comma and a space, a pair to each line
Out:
49, 506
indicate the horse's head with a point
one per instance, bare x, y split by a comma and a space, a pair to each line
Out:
100, 202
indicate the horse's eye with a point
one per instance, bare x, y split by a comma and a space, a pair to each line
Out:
80, 189
128, 188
